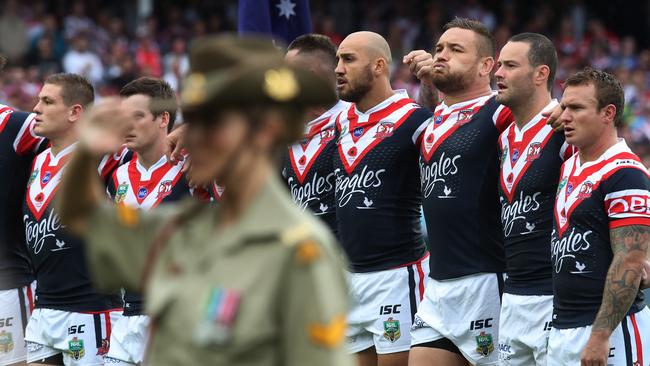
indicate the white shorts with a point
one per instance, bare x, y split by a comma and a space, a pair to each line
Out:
128, 340
83, 338
464, 311
629, 343
15, 308
524, 328
383, 306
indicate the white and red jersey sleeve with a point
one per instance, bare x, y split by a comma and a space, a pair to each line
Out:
627, 199
20, 126
110, 163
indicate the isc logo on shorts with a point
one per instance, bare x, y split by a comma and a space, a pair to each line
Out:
390, 309
480, 324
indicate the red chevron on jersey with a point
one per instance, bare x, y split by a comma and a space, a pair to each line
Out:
145, 188
360, 132
217, 191
446, 120
578, 181
44, 179
519, 149
319, 132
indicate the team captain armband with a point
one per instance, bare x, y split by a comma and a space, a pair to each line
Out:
628, 207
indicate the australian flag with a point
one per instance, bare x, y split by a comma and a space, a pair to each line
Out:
282, 19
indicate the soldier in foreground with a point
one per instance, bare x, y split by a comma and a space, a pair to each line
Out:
252, 281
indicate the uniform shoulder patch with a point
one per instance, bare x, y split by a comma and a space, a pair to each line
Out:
328, 335
127, 216
307, 251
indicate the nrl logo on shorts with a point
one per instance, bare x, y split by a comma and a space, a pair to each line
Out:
6, 342
484, 344
391, 329
121, 192
76, 348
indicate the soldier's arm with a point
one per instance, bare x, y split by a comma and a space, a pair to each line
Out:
81, 191
101, 132
314, 307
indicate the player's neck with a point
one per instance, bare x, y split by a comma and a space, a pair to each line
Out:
59, 144
477, 91
380, 92
244, 185
151, 155
524, 113
597, 148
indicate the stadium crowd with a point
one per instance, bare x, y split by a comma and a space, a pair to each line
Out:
106, 42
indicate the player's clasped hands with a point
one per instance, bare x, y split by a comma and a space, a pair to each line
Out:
103, 128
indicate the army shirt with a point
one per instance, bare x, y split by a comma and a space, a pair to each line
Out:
266, 290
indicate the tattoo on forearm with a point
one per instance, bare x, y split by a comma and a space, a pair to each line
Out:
622, 283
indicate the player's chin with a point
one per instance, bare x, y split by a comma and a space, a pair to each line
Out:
502, 97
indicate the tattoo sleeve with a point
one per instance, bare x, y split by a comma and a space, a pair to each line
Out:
630, 248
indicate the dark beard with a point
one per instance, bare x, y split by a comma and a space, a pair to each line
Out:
451, 83
361, 87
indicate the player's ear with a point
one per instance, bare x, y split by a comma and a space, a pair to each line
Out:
164, 120
542, 73
609, 113
485, 66
381, 66
75, 112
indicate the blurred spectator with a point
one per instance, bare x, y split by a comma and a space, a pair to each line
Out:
13, 33
109, 43
44, 59
176, 63
77, 22
404, 79
147, 57
80, 60
50, 28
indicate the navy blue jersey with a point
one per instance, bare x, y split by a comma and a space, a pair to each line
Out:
592, 198
377, 184
18, 147
308, 168
133, 185
459, 170
63, 281
530, 169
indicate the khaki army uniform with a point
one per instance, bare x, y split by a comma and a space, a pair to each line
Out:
266, 290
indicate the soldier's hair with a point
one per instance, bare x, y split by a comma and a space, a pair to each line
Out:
155, 89
608, 89
3, 62
485, 40
541, 52
315, 43
75, 89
